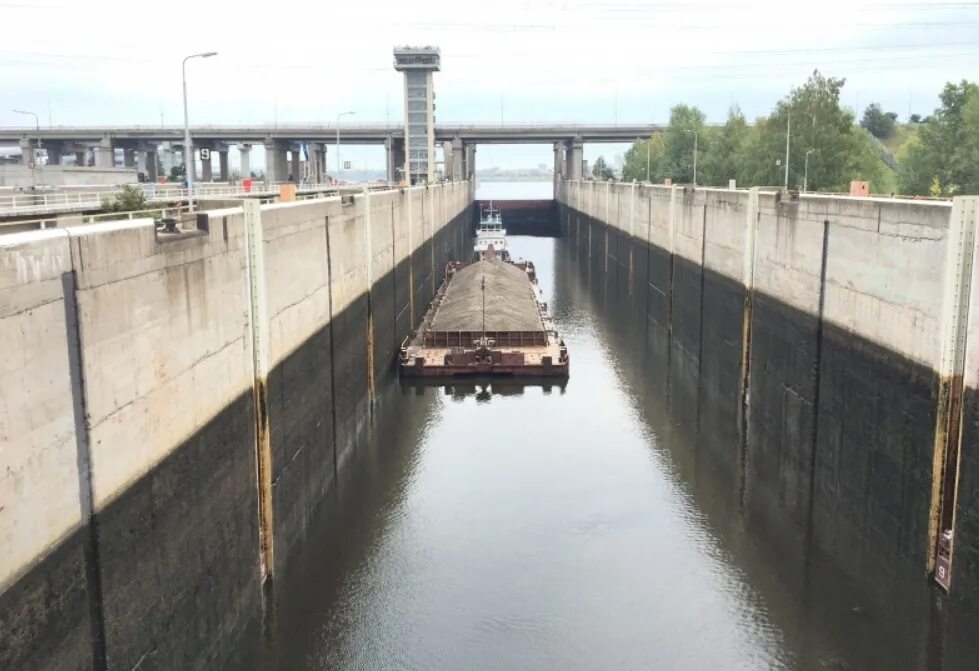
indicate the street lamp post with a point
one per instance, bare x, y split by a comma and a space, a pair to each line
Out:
649, 141
694, 155
338, 139
37, 126
188, 146
805, 179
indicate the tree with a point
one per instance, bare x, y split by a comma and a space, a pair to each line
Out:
176, 174
724, 158
840, 150
129, 199
880, 124
642, 160
915, 118
601, 170
679, 141
944, 158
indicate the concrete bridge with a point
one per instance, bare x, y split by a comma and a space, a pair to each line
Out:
140, 143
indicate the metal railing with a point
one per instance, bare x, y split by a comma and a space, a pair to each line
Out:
47, 213
40, 202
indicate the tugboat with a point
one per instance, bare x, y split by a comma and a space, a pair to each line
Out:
490, 236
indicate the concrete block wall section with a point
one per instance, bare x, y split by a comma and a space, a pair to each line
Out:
41, 509
140, 378
831, 318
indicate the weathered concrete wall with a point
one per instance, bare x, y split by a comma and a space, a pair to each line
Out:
172, 410
64, 175
831, 319
42, 544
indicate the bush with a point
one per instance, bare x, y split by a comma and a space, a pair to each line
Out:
129, 199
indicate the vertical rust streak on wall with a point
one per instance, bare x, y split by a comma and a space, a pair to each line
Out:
431, 230
258, 323
369, 270
752, 217
264, 464
817, 376
333, 374
411, 264
700, 319
955, 319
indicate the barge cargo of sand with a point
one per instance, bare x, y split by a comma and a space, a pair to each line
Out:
488, 318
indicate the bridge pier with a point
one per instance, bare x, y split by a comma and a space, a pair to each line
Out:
574, 158
224, 174
207, 172
276, 168
149, 162
245, 158
457, 159
105, 153
558, 164
395, 150
317, 158
129, 157
167, 159
295, 165
27, 153
55, 151
470, 161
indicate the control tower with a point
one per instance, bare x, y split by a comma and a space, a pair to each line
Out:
418, 64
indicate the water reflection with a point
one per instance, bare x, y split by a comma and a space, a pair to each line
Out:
601, 523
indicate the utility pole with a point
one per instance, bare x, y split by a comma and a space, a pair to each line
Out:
805, 179
36, 150
788, 136
694, 155
189, 159
649, 142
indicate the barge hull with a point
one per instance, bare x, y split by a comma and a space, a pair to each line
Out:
480, 370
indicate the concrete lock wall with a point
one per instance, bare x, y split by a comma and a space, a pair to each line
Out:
844, 326
173, 410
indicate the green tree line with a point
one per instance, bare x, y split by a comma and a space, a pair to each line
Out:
827, 148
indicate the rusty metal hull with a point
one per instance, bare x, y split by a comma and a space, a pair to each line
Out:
486, 370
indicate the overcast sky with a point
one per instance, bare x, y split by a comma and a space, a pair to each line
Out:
110, 61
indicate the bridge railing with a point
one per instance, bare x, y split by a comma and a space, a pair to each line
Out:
41, 202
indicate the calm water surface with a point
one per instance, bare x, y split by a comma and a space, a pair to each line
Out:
585, 527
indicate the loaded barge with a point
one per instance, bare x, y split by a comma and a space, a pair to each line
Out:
488, 318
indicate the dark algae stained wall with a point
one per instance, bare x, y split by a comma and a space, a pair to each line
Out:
265, 328
824, 319
828, 616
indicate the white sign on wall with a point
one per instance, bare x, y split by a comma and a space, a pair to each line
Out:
205, 154
346, 165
